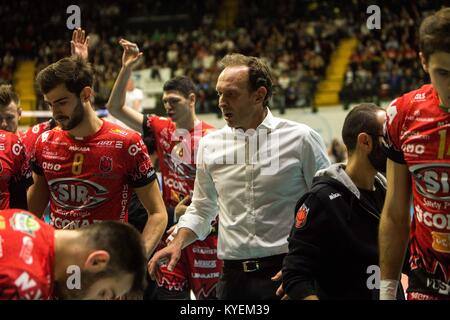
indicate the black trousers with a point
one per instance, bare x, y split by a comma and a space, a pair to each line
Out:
236, 284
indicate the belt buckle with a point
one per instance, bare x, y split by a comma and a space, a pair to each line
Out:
250, 266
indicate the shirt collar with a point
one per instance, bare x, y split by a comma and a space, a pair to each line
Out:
269, 122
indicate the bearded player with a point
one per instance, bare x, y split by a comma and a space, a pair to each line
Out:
87, 167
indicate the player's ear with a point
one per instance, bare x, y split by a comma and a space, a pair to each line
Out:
364, 142
86, 93
192, 99
424, 62
97, 261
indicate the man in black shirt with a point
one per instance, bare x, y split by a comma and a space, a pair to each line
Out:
333, 245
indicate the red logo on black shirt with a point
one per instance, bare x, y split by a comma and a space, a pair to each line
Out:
300, 218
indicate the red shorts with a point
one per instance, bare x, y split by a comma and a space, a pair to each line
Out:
198, 270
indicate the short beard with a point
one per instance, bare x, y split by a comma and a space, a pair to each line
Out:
76, 118
378, 158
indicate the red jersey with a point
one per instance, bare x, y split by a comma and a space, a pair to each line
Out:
30, 136
89, 178
20, 134
14, 168
27, 255
418, 134
198, 268
177, 150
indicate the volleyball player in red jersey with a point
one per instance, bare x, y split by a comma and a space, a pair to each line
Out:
87, 167
176, 139
14, 170
417, 134
10, 113
101, 261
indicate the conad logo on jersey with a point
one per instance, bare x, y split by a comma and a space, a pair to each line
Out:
431, 180
178, 186
76, 193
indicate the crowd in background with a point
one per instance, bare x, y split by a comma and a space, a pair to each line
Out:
295, 37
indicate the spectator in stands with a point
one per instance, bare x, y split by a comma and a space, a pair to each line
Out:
134, 96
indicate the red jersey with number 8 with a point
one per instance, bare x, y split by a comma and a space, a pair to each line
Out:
90, 178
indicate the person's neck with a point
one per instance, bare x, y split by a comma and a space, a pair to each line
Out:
442, 105
361, 172
188, 123
68, 251
258, 119
88, 126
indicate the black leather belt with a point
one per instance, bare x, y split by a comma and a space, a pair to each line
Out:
251, 265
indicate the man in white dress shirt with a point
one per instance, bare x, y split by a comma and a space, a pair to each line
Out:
134, 96
251, 173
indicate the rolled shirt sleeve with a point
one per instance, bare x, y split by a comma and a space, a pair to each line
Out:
314, 156
203, 208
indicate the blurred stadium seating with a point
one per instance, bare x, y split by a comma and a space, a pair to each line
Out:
321, 51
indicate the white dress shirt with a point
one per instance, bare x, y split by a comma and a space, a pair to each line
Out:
253, 181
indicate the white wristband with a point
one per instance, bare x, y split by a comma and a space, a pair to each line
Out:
388, 289
173, 234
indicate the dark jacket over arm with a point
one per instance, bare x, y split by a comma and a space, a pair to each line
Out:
332, 244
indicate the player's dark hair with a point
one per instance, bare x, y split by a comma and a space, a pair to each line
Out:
259, 73
434, 33
362, 118
74, 72
7, 95
182, 84
125, 246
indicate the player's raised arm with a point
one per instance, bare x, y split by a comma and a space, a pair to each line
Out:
116, 103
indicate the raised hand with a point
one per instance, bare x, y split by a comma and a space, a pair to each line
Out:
131, 54
80, 44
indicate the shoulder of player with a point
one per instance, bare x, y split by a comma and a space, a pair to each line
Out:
153, 119
8, 139
38, 128
214, 134
35, 131
414, 97
205, 128
44, 136
156, 123
401, 107
116, 132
